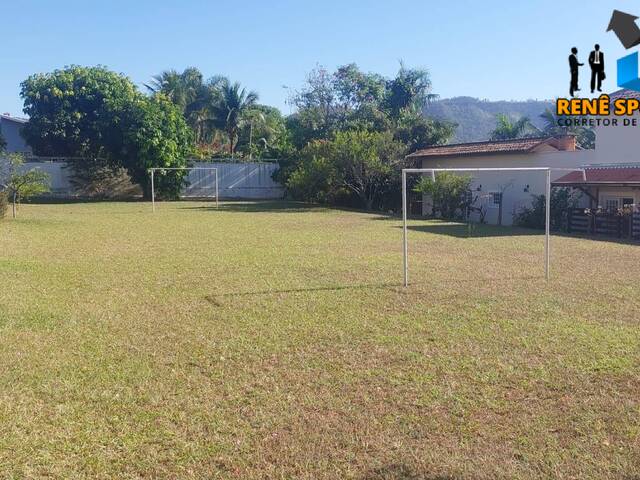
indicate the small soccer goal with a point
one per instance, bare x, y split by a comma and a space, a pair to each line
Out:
202, 183
433, 171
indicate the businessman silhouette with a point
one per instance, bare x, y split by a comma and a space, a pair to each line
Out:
573, 65
596, 62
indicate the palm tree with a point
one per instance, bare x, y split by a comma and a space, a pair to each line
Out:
584, 136
181, 88
230, 108
507, 129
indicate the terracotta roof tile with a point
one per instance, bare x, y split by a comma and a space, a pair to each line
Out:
521, 145
609, 174
624, 93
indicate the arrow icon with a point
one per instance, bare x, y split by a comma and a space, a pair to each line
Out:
624, 26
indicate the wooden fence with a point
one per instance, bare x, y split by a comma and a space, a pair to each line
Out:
604, 223
635, 226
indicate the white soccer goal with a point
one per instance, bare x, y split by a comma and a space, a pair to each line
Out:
433, 171
203, 185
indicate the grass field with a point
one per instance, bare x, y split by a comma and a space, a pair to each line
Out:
275, 341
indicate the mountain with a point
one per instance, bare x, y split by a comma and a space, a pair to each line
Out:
476, 118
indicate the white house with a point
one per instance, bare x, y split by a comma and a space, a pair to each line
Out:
10, 129
613, 169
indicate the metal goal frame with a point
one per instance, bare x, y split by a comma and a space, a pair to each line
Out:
152, 172
433, 171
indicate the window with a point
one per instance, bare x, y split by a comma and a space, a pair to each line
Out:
495, 199
612, 203
628, 202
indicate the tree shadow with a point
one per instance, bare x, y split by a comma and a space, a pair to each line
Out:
254, 206
463, 230
335, 288
402, 472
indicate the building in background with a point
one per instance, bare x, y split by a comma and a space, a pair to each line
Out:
612, 170
10, 128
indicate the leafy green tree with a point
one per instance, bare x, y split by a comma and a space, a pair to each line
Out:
409, 90
314, 177
193, 96
358, 163
156, 135
365, 162
416, 131
100, 120
73, 112
182, 89
349, 102
449, 194
23, 183
508, 129
231, 108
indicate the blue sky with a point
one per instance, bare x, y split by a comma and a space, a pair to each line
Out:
495, 49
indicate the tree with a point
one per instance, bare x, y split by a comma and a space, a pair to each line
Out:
73, 112
192, 95
231, 108
358, 163
409, 90
182, 89
362, 108
156, 135
100, 120
365, 162
508, 129
23, 184
585, 137
449, 194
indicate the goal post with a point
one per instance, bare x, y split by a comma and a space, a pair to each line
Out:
433, 171
152, 172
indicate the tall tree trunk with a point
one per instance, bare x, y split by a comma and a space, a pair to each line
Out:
15, 201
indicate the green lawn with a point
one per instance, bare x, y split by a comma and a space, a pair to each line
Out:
275, 341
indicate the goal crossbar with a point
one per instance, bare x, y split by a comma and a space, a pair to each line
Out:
433, 171
153, 170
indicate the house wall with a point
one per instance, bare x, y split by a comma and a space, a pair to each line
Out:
10, 129
613, 145
513, 184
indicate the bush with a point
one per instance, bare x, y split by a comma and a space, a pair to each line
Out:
562, 200
449, 194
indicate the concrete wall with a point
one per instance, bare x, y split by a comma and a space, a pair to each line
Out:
235, 180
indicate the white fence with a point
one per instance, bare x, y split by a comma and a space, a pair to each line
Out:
235, 180
239, 180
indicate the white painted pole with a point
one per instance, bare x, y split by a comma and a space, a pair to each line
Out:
547, 252
153, 192
217, 201
404, 229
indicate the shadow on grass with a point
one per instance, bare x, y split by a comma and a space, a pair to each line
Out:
335, 288
401, 472
254, 206
462, 230
397, 287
